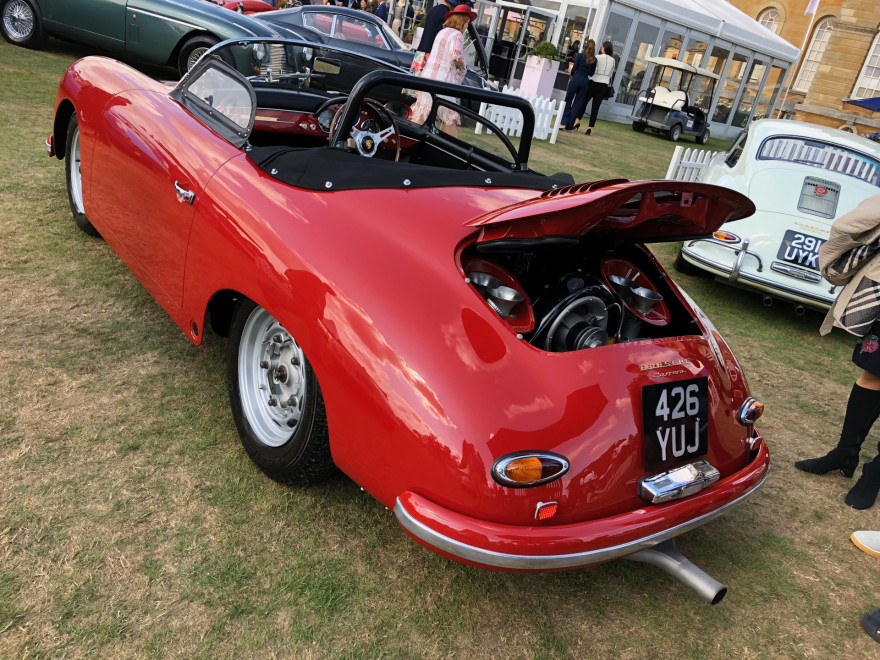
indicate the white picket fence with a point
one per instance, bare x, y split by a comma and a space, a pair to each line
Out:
688, 164
509, 120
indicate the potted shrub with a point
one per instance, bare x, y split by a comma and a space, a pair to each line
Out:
540, 71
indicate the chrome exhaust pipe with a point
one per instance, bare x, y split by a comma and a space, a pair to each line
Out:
767, 301
666, 556
799, 310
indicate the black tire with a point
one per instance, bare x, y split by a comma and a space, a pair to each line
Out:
22, 23
73, 174
276, 401
686, 267
191, 50
674, 133
703, 138
639, 126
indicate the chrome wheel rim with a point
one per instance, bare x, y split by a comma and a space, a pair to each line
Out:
194, 56
18, 20
73, 162
271, 379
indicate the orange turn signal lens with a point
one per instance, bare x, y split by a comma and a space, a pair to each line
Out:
750, 411
726, 236
524, 470
528, 468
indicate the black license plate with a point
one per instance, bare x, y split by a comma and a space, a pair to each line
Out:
675, 422
801, 249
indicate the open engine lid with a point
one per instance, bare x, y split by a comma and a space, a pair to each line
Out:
640, 211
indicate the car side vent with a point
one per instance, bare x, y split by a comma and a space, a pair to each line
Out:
582, 187
819, 197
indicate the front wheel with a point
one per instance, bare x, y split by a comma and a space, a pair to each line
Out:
22, 23
73, 170
276, 401
192, 49
674, 133
703, 137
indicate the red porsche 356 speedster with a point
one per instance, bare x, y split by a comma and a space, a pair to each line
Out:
490, 352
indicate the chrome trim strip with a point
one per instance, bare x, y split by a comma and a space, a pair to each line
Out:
796, 272
550, 562
761, 280
135, 10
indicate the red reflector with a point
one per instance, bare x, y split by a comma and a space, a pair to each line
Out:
546, 510
821, 190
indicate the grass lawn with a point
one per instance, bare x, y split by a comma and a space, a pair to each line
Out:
133, 525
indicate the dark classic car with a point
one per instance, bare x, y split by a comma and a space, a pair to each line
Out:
492, 353
365, 33
166, 32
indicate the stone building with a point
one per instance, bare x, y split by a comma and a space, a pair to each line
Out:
840, 61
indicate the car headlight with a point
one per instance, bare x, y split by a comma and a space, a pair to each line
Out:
259, 52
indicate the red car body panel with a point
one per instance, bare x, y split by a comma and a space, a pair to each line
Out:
425, 387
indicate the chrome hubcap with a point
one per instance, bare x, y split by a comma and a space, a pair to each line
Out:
194, 57
271, 379
73, 162
18, 20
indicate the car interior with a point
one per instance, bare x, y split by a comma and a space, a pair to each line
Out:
307, 108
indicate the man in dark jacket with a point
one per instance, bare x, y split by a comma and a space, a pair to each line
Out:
382, 11
434, 20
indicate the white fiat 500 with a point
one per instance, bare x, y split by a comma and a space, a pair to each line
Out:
801, 177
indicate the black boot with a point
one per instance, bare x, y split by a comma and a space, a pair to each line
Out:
864, 493
862, 411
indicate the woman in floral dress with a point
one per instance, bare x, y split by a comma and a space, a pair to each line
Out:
445, 63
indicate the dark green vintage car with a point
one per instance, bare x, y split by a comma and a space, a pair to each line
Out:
165, 32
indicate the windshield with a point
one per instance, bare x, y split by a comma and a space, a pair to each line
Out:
821, 155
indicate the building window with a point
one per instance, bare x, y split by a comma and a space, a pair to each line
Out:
821, 35
770, 20
868, 84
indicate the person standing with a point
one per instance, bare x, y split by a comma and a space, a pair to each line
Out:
851, 258
445, 63
382, 11
869, 542
582, 68
434, 20
600, 84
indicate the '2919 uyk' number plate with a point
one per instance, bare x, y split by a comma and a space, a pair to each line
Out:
675, 419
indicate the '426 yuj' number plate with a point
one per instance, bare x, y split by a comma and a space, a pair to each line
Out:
675, 422
800, 249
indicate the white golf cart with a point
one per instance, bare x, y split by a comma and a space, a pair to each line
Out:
677, 101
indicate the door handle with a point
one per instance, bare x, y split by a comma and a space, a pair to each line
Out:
184, 195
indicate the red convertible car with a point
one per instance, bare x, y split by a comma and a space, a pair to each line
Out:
492, 353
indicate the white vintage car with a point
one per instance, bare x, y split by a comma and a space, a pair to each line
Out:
801, 177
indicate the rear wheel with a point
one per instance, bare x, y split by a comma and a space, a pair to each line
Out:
275, 397
192, 49
685, 267
73, 171
674, 133
22, 23
639, 126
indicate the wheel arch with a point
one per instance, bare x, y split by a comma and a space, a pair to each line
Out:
175, 53
59, 129
219, 310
